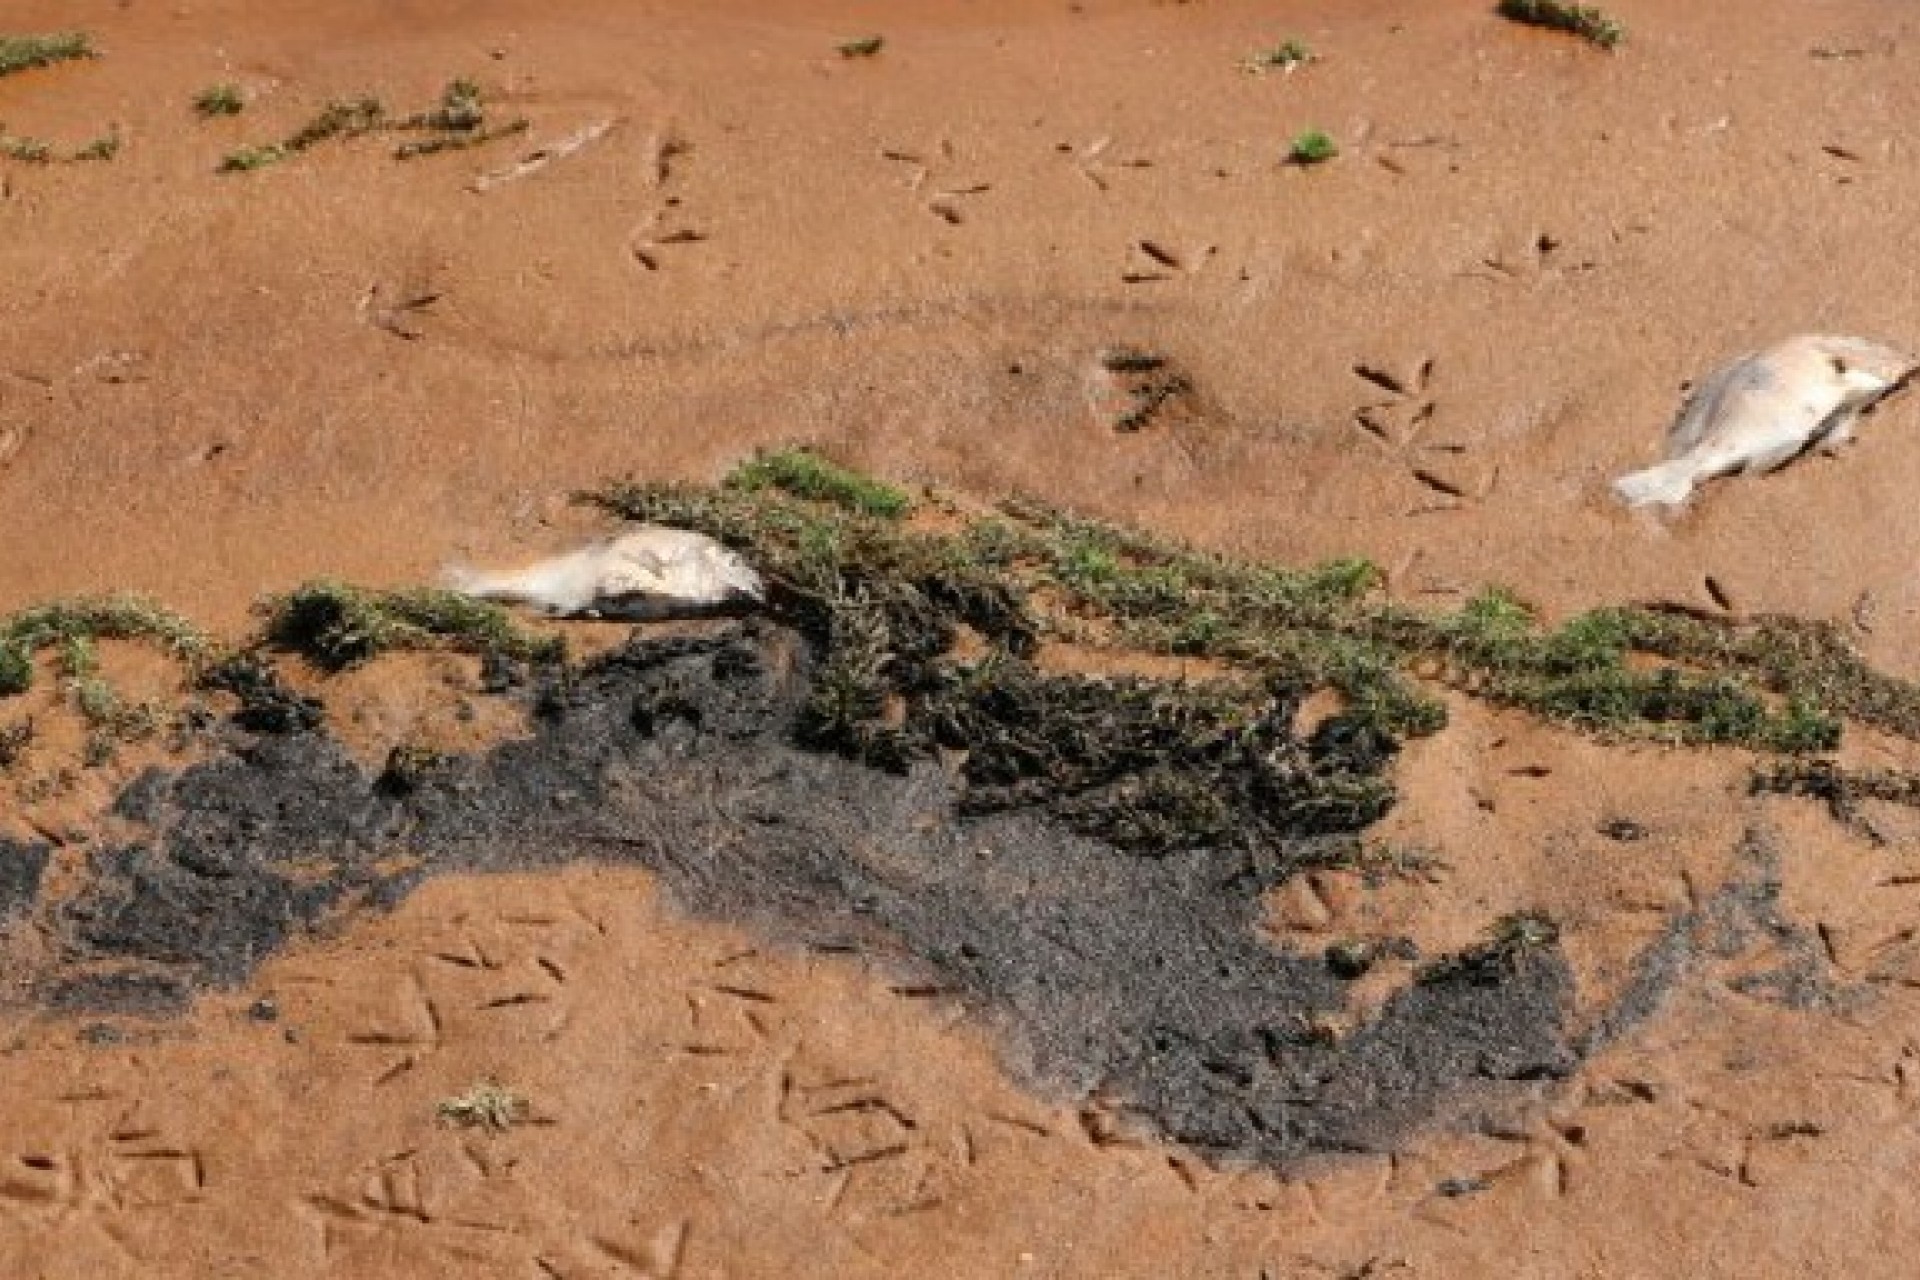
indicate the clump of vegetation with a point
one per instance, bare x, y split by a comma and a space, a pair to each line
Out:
111, 720
806, 474
1151, 766
1759, 685
104, 147
1510, 941
22, 53
1586, 21
72, 630
1311, 147
342, 118
75, 625
267, 705
39, 151
1350, 959
459, 120
1379, 862
1286, 57
487, 1105
25, 150
460, 108
348, 118
336, 626
219, 100
864, 47
881, 596
247, 159
408, 765
1841, 789
15, 738
884, 600
924, 626
1147, 766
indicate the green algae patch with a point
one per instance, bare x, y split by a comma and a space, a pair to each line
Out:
25, 53
336, 626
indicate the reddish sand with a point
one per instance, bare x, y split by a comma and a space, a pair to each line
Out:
213, 386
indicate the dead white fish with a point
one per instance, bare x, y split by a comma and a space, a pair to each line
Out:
645, 573
1766, 408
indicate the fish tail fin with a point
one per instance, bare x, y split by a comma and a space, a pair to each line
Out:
464, 579
483, 585
1668, 484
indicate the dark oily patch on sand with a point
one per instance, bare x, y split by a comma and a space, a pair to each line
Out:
1137, 983
21, 866
1736, 935
879, 766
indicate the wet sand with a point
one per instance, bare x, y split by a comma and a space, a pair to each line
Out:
1435, 351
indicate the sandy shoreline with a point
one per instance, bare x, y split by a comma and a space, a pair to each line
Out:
1434, 351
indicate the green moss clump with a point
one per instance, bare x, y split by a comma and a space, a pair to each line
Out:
73, 628
806, 474
439, 142
26, 150
1284, 57
1579, 674
847, 704
74, 625
16, 668
104, 147
1311, 147
342, 118
1810, 662
247, 159
336, 626
40, 151
111, 720
1585, 21
460, 109
458, 122
22, 53
219, 100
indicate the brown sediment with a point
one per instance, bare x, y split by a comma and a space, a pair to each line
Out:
1534, 243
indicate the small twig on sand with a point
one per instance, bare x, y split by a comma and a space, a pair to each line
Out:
536, 160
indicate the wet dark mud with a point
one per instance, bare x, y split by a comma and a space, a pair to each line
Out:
1138, 983
21, 867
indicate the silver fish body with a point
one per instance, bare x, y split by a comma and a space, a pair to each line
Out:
1765, 408
649, 572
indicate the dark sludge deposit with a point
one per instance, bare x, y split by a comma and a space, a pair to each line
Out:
1135, 978
878, 766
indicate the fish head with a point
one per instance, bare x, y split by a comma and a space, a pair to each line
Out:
1860, 366
739, 577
